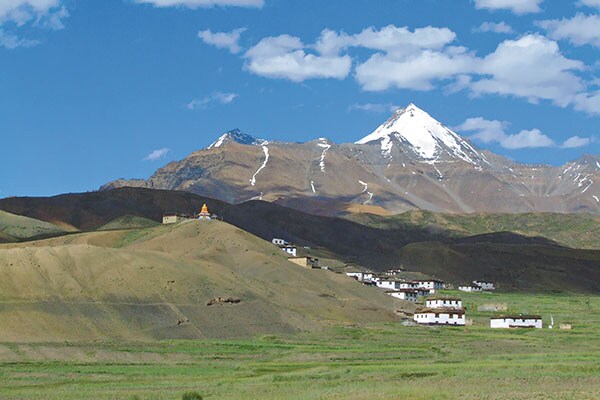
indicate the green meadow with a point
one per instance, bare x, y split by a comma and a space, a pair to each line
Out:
389, 361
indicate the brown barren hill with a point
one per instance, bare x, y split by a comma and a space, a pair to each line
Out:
156, 283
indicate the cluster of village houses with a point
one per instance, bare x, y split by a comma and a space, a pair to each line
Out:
439, 310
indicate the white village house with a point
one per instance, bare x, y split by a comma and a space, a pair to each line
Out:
279, 242
361, 276
404, 294
389, 284
471, 288
485, 285
431, 284
440, 316
516, 321
291, 250
443, 302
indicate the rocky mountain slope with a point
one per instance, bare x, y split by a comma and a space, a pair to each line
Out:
410, 162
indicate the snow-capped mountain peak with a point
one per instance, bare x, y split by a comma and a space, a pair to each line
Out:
428, 139
237, 136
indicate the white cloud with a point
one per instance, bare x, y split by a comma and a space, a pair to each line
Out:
416, 72
527, 139
43, 13
496, 27
576, 141
494, 131
516, 6
579, 30
588, 102
283, 57
157, 154
401, 41
203, 3
409, 60
213, 98
590, 3
223, 40
485, 130
531, 67
374, 107
12, 41
48, 14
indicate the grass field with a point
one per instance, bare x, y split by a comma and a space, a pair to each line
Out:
383, 361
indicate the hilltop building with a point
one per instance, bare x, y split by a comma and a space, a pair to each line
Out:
204, 214
279, 242
361, 276
291, 250
516, 321
306, 262
172, 219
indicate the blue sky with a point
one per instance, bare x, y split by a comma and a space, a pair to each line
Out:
91, 91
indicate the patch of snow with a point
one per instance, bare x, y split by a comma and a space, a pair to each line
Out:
425, 136
312, 186
325, 146
264, 164
596, 198
365, 186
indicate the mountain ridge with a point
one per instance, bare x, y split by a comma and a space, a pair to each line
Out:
409, 162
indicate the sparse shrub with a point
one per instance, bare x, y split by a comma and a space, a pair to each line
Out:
191, 396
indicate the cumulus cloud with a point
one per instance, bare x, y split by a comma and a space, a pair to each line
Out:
576, 141
223, 40
157, 154
404, 59
203, 3
516, 6
495, 27
579, 30
494, 131
588, 102
212, 99
531, 67
284, 57
415, 71
374, 107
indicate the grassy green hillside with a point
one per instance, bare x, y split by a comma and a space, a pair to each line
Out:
573, 230
16, 227
376, 361
128, 222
